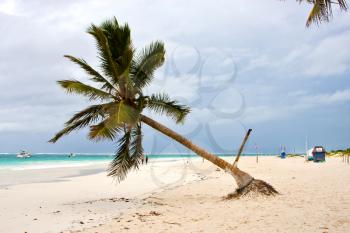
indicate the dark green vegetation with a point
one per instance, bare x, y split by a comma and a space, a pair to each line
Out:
295, 155
339, 152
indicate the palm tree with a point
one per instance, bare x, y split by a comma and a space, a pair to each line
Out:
120, 116
322, 10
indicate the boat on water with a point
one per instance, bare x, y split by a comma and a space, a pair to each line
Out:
24, 155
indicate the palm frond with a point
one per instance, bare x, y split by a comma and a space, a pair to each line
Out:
319, 13
125, 82
82, 119
121, 163
124, 113
116, 53
161, 103
76, 87
122, 52
136, 149
93, 111
129, 154
118, 115
119, 41
145, 64
95, 76
108, 65
68, 129
322, 10
107, 129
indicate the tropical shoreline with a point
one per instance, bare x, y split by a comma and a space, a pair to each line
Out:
9, 161
95, 203
64, 199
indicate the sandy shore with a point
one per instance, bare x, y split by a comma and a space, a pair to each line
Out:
184, 197
314, 198
66, 199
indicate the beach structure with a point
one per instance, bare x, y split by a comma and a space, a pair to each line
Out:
283, 152
283, 155
317, 154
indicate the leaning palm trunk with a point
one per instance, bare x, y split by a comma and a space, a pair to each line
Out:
245, 182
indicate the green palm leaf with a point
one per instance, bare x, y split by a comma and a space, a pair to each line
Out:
129, 154
161, 103
136, 149
322, 10
145, 64
96, 76
76, 87
82, 119
122, 112
108, 65
319, 12
116, 53
68, 129
93, 111
119, 41
118, 115
107, 129
122, 52
121, 163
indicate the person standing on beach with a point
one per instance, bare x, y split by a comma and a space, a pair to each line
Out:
146, 159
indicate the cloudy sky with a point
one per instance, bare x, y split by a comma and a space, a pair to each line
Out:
238, 64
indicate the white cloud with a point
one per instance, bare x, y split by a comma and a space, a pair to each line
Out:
266, 40
330, 57
337, 97
321, 57
183, 88
302, 102
35, 118
8, 7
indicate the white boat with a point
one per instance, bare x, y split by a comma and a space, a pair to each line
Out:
24, 155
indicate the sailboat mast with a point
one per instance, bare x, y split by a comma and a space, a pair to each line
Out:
306, 147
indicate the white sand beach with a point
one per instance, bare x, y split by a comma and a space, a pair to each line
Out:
183, 196
63, 199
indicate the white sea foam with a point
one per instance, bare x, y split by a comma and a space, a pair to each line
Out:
50, 165
38, 166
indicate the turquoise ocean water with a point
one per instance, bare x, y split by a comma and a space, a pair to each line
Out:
42, 160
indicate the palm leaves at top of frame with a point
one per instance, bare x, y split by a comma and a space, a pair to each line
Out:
322, 10
125, 72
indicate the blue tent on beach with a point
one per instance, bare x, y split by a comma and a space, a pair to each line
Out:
283, 155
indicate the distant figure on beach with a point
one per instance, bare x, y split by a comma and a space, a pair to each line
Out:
143, 159
146, 159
